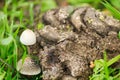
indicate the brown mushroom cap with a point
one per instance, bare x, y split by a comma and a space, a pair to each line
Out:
28, 67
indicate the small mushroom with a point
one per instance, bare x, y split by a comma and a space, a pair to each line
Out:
28, 67
92, 65
28, 37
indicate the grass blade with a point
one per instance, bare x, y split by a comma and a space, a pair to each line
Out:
7, 41
2, 75
113, 60
114, 11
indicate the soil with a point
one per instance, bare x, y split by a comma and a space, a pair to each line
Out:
71, 39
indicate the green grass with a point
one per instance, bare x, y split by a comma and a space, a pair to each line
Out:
11, 50
114, 11
103, 71
10, 47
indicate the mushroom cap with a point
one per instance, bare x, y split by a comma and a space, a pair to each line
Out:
28, 67
28, 37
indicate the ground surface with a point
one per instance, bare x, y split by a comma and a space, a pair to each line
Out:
71, 39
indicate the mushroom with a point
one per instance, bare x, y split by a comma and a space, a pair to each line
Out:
28, 66
28, 37
92, 65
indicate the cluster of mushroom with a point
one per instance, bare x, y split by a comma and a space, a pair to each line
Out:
28, 66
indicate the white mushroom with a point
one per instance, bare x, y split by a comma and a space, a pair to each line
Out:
28, 37
28, 67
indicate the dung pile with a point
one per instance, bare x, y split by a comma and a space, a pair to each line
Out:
71, 39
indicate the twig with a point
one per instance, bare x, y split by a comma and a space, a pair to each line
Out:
1, 60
